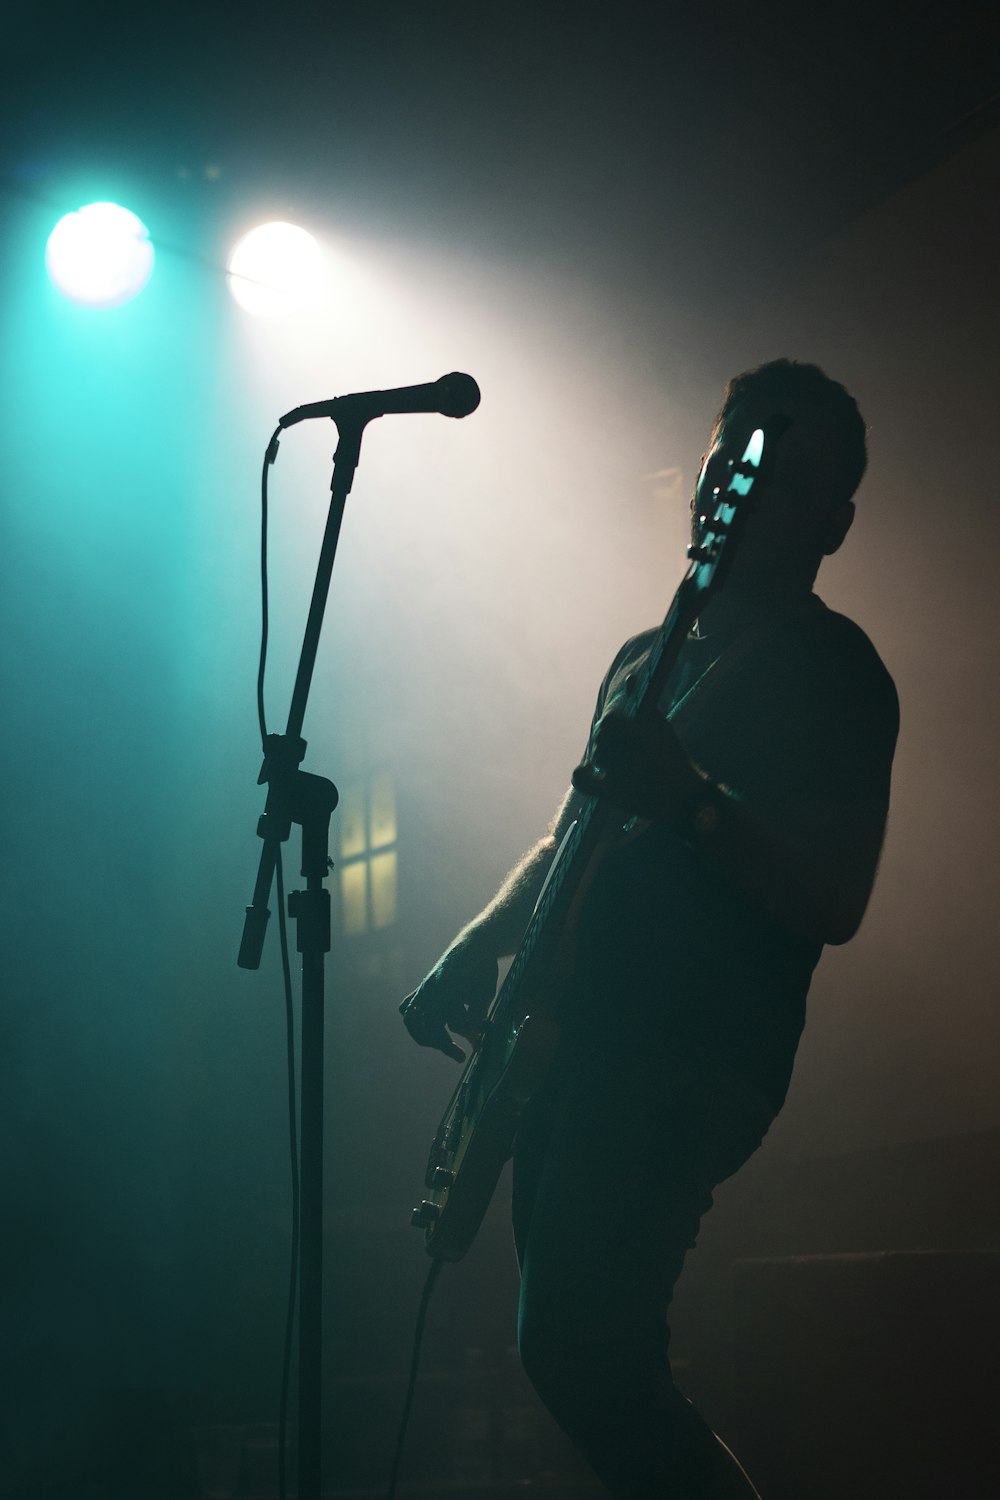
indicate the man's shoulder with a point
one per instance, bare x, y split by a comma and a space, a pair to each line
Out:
634, 649
807, 632
824, 657
810, 651
824, 631
626, 659
628, 655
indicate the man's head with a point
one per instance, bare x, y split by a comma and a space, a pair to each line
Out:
807, 508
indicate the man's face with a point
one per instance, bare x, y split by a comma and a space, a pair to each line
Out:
784, 510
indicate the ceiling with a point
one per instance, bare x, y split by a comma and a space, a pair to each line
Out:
707, 142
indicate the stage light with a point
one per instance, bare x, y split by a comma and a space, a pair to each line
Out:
101, 255
276, 268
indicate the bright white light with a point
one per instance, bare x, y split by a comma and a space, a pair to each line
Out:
276, 268
101, 255
755, 448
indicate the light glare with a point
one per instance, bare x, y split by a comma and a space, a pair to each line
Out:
276, 268
755, 448
100, 256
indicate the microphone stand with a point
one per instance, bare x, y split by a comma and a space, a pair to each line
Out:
295, 796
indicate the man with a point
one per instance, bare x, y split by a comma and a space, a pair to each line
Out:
759, 804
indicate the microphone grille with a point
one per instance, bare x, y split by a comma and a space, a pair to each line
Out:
459, 394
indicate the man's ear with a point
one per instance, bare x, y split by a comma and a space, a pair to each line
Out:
836, 527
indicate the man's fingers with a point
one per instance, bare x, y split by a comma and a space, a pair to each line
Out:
424, 1028
438, 1038
469, 1030
428, 1030
441, 1042
588, 778
614, 742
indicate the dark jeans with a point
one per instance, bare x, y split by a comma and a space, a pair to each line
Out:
614, 1166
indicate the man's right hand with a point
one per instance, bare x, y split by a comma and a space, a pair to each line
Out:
453, 998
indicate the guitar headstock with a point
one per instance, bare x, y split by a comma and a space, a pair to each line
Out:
724, 511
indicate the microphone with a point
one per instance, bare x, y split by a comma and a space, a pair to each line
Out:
454, 395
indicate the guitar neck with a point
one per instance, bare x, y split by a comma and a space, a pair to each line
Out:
598, 822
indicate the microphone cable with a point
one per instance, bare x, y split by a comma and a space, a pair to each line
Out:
270, 454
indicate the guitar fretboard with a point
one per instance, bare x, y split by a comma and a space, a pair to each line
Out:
650, 681
596, 818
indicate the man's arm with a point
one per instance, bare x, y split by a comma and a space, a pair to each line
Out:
813, 874
456, 993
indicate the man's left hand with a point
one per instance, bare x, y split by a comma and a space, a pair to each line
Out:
641, 768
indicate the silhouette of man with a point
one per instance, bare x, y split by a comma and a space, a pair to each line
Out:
761, 795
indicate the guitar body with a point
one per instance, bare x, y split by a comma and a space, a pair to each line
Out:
521, 1035
476, 1138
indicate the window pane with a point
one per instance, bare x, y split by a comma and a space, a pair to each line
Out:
382, 826
384, 889
351, 813
354, 897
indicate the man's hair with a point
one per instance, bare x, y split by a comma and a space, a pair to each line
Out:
788, 380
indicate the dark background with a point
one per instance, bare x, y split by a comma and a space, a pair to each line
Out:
603, 213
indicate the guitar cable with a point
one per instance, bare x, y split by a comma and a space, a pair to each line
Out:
418, 1335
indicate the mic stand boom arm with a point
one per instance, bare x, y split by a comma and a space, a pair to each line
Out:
295, 796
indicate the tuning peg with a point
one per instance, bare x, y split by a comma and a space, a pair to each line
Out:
425, 1214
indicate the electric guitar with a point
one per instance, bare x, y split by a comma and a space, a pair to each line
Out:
520, 1033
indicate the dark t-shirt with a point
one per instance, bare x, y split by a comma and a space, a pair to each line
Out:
799, 717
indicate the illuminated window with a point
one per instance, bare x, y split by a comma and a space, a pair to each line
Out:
367, 838
383, 888
381, 811
351, 816
354, 896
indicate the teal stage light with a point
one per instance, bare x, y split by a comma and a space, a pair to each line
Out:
101, 255
276, 268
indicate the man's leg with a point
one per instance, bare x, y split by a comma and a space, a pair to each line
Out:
612, 1173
